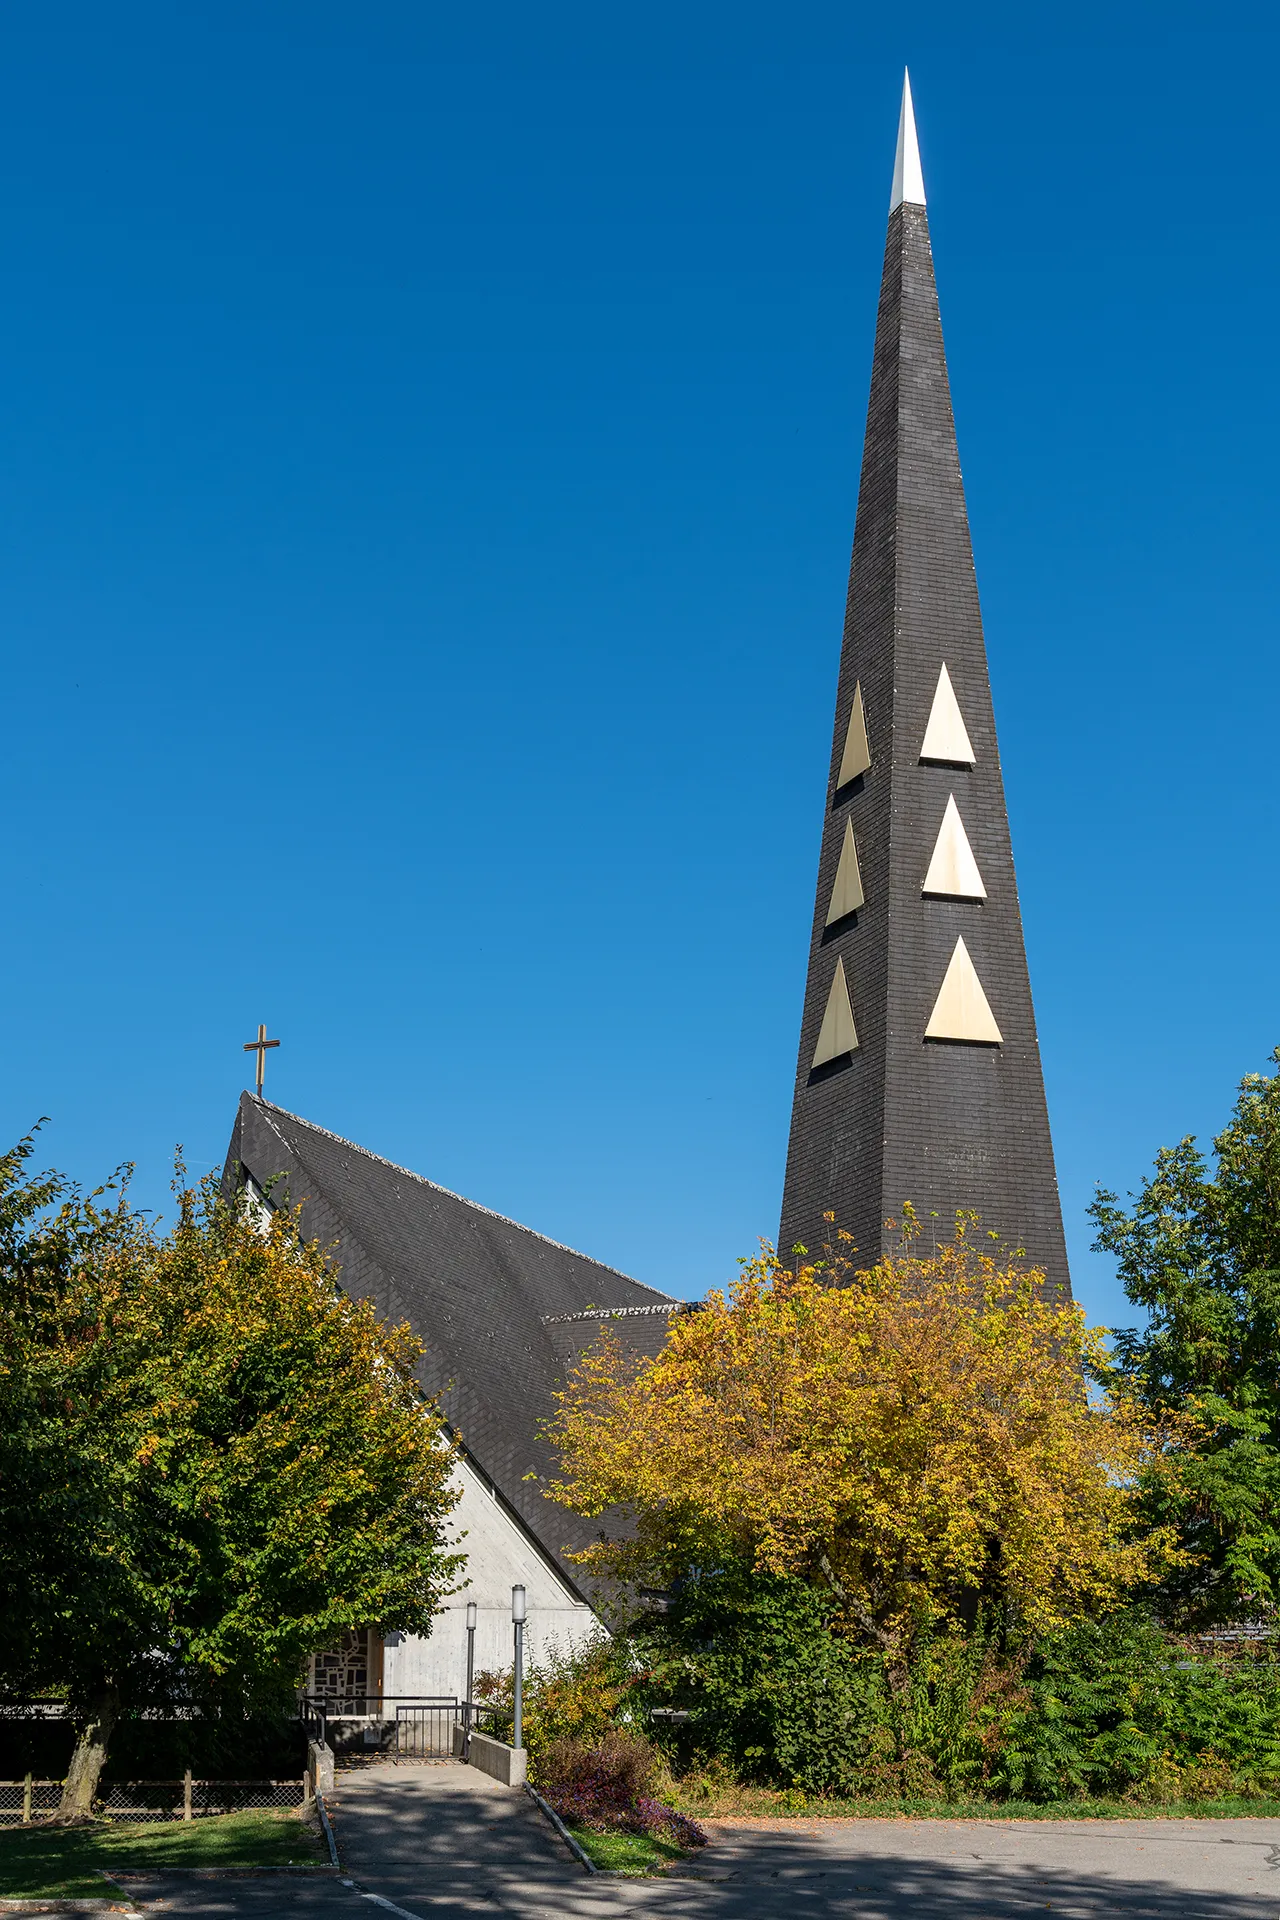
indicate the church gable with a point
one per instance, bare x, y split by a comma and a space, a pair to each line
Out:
492, 1301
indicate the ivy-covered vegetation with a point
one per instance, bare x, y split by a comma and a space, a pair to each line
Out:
1110, 1708
751, 1686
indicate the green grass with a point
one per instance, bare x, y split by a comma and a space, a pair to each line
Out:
625, 1852
47, 1861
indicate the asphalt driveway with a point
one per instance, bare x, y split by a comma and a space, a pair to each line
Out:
445, 1843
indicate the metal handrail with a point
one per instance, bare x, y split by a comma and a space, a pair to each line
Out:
318, 1710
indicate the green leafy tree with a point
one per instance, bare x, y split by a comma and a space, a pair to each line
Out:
212, 1461
1199, 1248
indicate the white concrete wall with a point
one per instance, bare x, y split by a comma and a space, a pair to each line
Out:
499, 1554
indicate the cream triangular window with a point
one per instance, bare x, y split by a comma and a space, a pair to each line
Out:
838, 1035
846, 895
946, 737
953, 871
857, 752
961, 1011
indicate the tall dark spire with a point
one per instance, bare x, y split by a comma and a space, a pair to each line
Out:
919, 1073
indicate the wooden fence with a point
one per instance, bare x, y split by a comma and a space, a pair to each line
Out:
22, 1801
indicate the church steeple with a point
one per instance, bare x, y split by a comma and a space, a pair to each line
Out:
919, 1072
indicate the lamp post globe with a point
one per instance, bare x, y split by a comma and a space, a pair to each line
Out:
517, 1703
467, 1709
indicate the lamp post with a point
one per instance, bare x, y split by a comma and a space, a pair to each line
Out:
471, 1669
517, 1616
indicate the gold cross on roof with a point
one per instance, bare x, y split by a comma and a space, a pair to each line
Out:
259, 1046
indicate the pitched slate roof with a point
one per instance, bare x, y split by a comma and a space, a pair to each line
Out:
503, 1311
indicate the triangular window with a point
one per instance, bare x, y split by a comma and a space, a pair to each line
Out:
961, 1010
946, 737
857, 751
953, 871
838, 1035
846, 894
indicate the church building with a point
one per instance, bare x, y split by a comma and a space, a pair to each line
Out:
919, 1073
503, 1312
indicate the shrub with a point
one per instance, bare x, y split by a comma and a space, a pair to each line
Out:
581, 1692
777, 1697
772, 1692
781, 1698
1118, 1707
610, 1786
578, 1693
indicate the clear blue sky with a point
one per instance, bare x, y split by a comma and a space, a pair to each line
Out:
428, 453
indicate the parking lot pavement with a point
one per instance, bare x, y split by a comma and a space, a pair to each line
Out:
445, 1843
985, 1869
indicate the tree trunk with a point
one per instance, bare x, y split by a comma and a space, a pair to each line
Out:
93, 1734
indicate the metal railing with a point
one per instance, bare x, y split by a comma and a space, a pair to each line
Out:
394, 1726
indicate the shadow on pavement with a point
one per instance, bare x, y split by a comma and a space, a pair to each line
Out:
447, 1845
445, 1818
1221, 1870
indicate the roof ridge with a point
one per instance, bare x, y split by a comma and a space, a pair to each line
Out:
268, 1107
616, 1313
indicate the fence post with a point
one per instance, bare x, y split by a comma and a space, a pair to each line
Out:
186, 1794
26, 1801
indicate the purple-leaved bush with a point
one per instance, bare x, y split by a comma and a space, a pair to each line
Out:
607, 1787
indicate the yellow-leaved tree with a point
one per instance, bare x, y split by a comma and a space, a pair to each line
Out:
917, 1436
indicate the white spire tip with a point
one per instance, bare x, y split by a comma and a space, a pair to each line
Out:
908, 178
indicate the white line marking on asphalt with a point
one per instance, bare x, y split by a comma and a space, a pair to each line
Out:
391, 1906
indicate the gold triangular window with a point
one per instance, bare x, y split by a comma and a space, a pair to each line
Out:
961, 1010
857, 752
953, 871
846, 894
946, 737
838, 1034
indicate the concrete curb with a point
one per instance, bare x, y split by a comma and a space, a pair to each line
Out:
582, 1858
91, 1903
328, 1831
205, 1873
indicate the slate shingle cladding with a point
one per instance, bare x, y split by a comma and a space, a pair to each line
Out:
503, 1311
943, 1125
